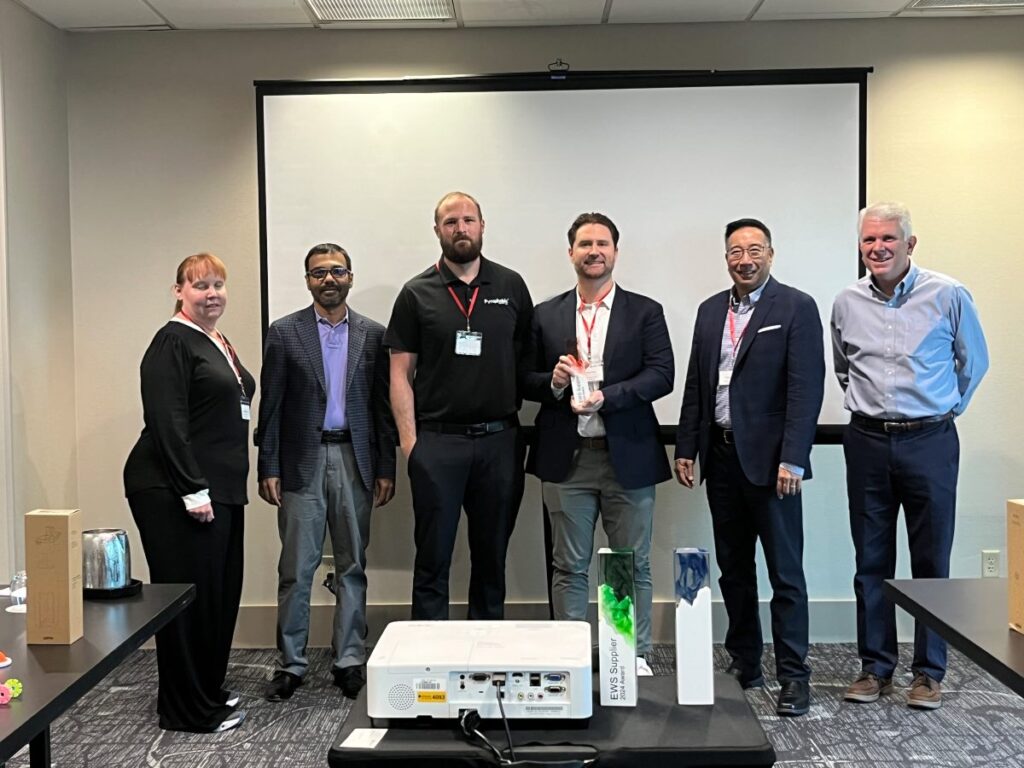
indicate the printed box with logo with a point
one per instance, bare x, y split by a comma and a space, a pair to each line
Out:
53, 564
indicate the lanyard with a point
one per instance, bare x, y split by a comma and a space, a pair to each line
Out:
462, 308
732, 330
222, 344
596, 304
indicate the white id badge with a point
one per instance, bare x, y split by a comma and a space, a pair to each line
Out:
724, 378
595, 373
245, 411
469, 343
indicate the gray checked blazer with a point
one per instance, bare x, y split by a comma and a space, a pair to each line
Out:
293, 400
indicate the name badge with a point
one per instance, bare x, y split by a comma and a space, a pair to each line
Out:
245, 408
595, 373
724, 378
469, 343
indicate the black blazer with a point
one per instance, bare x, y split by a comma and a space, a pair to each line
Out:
777, 383
293, 400
638, 369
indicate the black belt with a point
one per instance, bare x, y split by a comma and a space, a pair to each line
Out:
469, 430
723, 435
336, 436
897, 425
595, 443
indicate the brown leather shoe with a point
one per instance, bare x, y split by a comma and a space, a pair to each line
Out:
925, 693
867, 688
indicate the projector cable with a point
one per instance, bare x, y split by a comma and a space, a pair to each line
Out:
469, 721
499, 689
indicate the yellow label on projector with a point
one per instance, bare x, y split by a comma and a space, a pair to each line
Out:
431, 697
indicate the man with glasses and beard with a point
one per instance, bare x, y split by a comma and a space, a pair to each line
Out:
326, 456
457, 336
754, 388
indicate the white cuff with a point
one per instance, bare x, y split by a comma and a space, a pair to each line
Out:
558, 392
196, 500
793, 469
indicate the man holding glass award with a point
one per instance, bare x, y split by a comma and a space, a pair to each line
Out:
601, 357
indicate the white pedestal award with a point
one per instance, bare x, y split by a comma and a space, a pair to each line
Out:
694, 666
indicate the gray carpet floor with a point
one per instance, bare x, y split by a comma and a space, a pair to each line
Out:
981, 722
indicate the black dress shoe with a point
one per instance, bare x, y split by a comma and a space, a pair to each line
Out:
282, 686
794, 698
745, 679
351, 680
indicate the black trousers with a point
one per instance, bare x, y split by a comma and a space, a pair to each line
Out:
484, 476
742, 513
918, 471
192, 651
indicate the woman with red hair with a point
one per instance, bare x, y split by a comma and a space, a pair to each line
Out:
185, 480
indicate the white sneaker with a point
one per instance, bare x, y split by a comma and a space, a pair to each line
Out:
231, 721
643, 669
233, 698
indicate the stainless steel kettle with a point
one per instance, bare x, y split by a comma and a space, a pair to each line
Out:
106, 559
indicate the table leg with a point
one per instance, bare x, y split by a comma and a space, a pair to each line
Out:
39, 750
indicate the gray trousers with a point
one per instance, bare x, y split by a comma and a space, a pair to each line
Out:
337, 501
589, 491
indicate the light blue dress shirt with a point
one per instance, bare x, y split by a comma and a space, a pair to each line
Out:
334, 349
916, 354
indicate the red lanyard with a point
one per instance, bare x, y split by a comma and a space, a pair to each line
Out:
732, 330
589, 329
462, 308
222, 342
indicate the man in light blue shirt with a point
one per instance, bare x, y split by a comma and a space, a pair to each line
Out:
909, 353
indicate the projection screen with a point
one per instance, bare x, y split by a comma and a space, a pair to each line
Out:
671, 157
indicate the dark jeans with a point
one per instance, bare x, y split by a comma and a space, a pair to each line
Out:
742, 513
918, 471
484, 476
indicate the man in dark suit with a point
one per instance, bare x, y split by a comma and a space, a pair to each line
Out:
326, 456
753, 392
601, 451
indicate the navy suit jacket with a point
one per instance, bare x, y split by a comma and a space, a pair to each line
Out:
777, 383
638, 369
293, 400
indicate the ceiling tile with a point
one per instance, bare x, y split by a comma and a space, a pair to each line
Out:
772, 10
220, 14
668, 11
70, 14
499, 13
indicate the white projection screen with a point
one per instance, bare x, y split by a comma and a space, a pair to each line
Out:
670, 157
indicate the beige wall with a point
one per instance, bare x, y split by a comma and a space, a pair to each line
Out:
163, 163
33, 58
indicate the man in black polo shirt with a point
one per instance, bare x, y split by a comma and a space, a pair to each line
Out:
457, 334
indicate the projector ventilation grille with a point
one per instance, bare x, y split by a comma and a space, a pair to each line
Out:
401, 697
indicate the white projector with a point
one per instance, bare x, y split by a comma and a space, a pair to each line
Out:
439, 669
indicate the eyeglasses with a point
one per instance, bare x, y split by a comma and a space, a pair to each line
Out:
321, 273
754, 251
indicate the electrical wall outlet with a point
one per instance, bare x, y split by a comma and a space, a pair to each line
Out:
990, 563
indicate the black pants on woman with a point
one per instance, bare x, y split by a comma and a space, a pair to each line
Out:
192, 651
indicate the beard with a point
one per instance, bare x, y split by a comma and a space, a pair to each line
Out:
332, 300
463, 254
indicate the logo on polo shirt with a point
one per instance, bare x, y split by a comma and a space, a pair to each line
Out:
496, 301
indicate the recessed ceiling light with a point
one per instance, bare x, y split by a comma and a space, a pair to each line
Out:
331, 11
927, 5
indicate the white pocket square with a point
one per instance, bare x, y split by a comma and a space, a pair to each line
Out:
769, 328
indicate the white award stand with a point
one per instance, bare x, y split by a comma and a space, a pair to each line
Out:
694, 663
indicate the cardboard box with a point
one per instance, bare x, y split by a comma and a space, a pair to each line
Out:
1015, 561
616, 627
53, 565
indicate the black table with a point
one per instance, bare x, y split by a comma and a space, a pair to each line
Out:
972, 615
57, 676
655, 733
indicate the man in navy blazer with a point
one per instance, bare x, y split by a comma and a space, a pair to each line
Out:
326, 456
602, 454
753, 392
